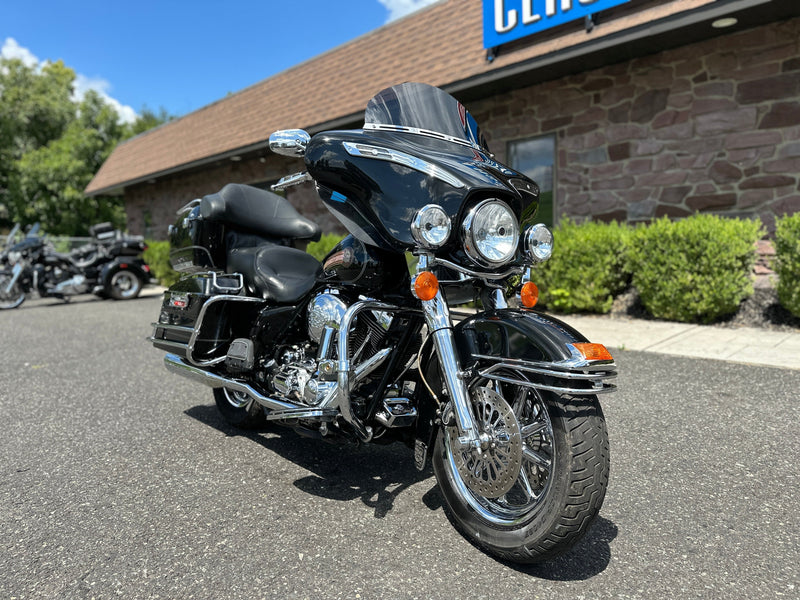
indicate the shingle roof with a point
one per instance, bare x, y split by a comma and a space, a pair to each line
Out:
441, 44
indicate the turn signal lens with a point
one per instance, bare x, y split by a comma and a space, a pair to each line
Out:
593, 351
529, 295
426, 286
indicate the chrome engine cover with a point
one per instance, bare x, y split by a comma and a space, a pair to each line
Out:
325, 309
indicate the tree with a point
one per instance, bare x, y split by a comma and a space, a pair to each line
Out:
51, 145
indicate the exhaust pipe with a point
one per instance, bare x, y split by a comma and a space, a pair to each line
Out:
176, 365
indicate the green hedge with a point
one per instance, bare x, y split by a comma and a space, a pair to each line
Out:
320, 249
157, 256
587, 269
787, 262
694, 270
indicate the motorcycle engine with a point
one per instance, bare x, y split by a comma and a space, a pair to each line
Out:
298, 377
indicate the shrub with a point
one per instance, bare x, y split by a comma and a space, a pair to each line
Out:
320, 249
787, 262
157, 256
694, 270
587, 269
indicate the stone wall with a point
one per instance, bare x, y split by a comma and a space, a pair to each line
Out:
709, 127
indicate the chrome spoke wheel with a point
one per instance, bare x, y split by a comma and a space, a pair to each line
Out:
501, 493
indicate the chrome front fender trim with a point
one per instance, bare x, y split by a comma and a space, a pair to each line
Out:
566, 377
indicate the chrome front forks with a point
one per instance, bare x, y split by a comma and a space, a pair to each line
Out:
440, 327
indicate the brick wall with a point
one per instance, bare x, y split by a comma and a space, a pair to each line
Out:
710, 127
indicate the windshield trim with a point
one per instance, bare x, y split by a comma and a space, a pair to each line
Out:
425, 132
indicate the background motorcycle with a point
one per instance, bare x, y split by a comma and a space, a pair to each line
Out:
363, 348
109, 266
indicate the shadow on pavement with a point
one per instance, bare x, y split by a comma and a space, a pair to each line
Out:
377, 475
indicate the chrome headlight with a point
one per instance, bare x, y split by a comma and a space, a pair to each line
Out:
539, 242
14, 257
491, 233
431, 226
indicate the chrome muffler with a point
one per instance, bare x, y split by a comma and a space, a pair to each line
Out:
175, 364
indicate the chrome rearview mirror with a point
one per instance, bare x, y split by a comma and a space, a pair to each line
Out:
289, 142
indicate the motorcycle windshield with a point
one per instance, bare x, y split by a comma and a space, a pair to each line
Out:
424, 110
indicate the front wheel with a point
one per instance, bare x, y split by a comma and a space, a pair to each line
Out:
537, 483
10, 298
124, 285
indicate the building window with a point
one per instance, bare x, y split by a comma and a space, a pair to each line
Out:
536, 158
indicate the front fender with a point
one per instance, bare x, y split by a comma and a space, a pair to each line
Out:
515, 333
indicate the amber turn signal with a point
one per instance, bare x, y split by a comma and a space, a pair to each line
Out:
529, 295
593, 351
426, 286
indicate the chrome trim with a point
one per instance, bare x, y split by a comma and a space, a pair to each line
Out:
188, 207
175, 364
289, 142
425, 132
437, 318
302, 413
15, 272
470, 247
345, 384
290, 180
598, 374
223, 288
477, 274
416, 227
529, 242
401, 158
199, 323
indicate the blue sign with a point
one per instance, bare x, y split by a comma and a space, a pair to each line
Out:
507, 20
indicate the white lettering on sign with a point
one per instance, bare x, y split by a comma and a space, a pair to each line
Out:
506, 20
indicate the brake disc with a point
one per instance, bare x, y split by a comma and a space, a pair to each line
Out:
492, 470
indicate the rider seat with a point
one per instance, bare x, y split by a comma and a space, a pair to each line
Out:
277, 273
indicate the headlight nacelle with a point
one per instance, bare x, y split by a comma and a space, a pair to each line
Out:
491, 233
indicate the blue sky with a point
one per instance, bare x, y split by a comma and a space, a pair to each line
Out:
183, 55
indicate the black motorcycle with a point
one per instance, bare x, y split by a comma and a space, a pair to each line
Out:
110, 266
364, 347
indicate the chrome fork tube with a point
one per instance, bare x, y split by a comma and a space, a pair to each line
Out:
15, 272
437, 317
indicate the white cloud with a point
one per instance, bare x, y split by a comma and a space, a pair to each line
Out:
83, 84
11, 49
400, 8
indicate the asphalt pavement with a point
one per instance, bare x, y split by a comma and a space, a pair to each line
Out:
120, 480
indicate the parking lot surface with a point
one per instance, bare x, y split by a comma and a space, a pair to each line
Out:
120, 480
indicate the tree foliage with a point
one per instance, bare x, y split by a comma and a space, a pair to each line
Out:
52, 144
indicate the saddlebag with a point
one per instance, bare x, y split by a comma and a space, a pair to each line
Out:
202, 314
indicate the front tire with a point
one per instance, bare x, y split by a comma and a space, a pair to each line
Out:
560, 484
14, 297
238, 409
